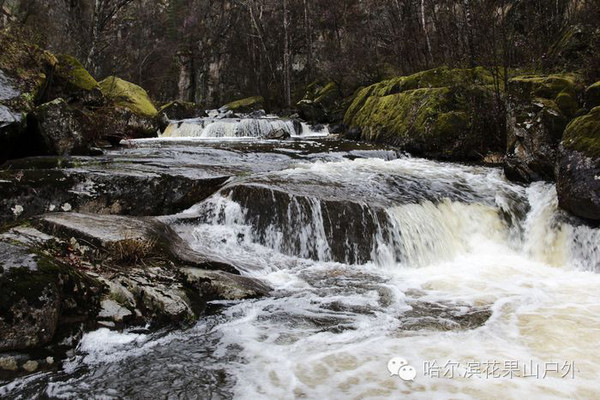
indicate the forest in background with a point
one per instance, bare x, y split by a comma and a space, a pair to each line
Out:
214, 51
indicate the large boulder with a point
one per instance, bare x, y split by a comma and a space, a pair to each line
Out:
55, 128
128, 95
539, 107
152, 275
72, 82
441, 113
578, 182
321, 103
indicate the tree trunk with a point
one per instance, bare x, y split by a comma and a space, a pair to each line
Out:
426, 31
186, 87
286, 57
308, 38
470, 33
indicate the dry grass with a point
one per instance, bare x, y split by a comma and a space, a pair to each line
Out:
133, 251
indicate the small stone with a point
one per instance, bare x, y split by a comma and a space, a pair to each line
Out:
66, 207
8, 363
107, 324
49, 360
30, 366
17, 210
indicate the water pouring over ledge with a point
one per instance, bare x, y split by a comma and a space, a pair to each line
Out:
244, 126
373, 255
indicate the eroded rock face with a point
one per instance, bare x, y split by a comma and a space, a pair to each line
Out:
57, 129
38, 295
578, 183
539, 109
534, 132
152, 276
35, 186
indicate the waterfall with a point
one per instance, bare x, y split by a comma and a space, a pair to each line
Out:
426, 230
239, 128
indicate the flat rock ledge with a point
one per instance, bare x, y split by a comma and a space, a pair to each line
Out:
73, 272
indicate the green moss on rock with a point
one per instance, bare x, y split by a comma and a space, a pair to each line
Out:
70, 70
128, 95
248, 104
592, 96
583, 134
567, 104
440, 112
26, 62
546, 86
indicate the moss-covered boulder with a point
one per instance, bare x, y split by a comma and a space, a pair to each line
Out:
73, 83
128, 95
539, 107
578, 182
246, 105
592, 96
321, 103
441, 113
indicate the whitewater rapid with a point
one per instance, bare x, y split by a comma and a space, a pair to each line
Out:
451, 267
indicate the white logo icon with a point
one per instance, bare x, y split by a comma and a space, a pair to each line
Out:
399, 367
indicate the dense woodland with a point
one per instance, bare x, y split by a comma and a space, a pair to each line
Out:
212, 51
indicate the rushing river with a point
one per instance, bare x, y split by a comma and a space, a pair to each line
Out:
482, 286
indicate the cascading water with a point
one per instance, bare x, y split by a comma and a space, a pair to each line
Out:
371, 257
243, 127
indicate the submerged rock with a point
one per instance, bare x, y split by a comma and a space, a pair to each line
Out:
222, 285
443, 316
578, 183
278, 134
441, 113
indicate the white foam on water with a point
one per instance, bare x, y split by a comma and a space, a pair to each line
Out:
544, 301
473, 241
